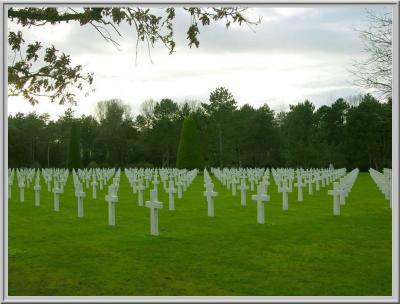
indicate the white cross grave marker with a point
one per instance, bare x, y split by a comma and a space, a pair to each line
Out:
80, 195
140, 188
179, 184
37, 189
210, 194
154, 205
56, 191
21, 186
317, 179
233, 182
299, 185
260, 198
155, 183
111, 198
94, 185
310, 187
284, 189
336, 192
171, 190
243, 187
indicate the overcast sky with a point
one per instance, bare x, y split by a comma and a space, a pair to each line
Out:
294, 54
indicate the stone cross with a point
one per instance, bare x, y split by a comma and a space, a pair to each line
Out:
21, 186
179, 184
49, 185
243, 189
322, 180
208, 184
284, 189
94, 185
251, 183
210, 194
111, 198
342, 196
233, 182
184, 184
299, 185
317, 179
140, 188
336, 192
154, 205
310, 187
61, 184
37, 189
56, 191
265, 184
171, 190
260, 198
251, 177
134, 186
80, 195
155, 183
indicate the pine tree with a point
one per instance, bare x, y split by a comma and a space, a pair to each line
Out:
190, 154
74, 155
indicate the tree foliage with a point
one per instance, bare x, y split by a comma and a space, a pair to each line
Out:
220, 111
342, 133
74, 151
190, 154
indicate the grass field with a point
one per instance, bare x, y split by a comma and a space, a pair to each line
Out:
304, 251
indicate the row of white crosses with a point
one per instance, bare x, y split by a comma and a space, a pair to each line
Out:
24, 179
232, 177
321, 177
142, 179
95, 177
341, 190
182, 181
52, 176
59, 181
260, 177
283, 178
153, 204
139, 179
56, 180
384, 182
81, 177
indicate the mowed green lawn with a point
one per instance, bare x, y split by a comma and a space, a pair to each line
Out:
304, 251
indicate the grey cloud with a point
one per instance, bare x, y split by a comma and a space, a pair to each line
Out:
317, 29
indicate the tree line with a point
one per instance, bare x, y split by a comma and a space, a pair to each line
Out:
346, 134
